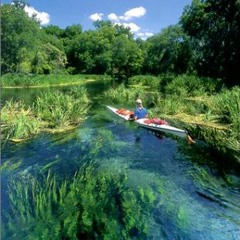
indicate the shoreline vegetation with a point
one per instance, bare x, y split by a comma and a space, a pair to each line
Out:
51, 80
52, 112
203, 107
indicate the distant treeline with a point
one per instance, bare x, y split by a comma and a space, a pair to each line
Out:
205, 43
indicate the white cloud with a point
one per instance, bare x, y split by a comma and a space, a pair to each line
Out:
113, 17
133, 27
96, 16
128, 15
144, 35
124, 20
134, 13
43, 17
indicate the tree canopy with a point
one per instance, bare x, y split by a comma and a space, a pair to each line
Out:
205, 42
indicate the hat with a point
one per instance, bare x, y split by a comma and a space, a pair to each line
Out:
139, 101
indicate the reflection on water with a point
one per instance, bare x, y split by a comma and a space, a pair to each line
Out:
179, 190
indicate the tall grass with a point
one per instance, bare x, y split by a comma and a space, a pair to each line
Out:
190, 85
227, 106
23, 80
18, 121
123, 95
54, 110
142, 80
59, 109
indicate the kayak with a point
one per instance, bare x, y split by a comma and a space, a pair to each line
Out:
161, 126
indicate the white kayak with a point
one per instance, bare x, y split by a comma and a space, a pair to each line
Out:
144, 122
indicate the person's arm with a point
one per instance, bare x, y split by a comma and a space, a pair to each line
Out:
146, 115
135, 115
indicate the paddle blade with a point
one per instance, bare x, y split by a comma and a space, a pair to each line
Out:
190, 140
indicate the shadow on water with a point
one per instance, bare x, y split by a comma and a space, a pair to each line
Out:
171, 190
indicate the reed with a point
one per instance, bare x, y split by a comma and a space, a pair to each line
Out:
143, 80
55, 110
60, 110
191, 85
227, 106
23, 80
19, 121
128, 96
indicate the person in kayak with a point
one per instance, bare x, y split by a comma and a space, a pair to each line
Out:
140, 111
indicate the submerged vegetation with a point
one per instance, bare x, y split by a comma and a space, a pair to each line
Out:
94, 204
97, 202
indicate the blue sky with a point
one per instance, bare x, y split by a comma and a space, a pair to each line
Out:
144, 17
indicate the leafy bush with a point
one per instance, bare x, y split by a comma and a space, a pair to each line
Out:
192, 85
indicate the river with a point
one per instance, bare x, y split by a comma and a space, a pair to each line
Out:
196, 194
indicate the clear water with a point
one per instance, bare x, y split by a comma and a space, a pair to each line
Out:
201, 191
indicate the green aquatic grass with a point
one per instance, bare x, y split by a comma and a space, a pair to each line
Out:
55, 110
24, 80
95, 203
227, 106
128, 96
9, 166
59, 109
18, 121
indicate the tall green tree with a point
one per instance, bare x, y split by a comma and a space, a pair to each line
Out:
19, 38
214, 28
167, 51
127, 57
25, 46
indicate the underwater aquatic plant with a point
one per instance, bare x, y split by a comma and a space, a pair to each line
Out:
95, 203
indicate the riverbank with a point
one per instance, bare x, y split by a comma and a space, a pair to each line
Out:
41, 81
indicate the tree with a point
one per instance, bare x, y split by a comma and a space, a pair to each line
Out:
128, 57
167, 51
19, 38
214, 30
26, 47
48, 59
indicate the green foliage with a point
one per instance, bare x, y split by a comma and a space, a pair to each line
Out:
151, 81
189, 85
227, 107
128, 58
59, 109
96, 203
24, 44
48, 59
167, 52
19, 38
53, 110
19, 121
204, 43
213, 28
